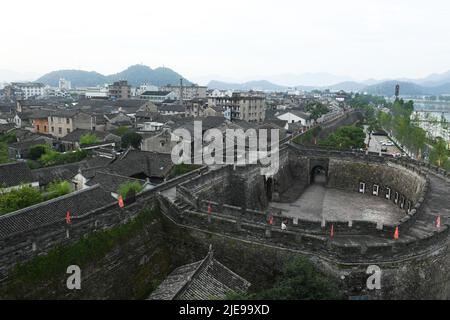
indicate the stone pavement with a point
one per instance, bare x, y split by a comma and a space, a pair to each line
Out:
318, 203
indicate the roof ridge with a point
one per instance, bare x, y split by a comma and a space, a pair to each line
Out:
196, 272
118, 175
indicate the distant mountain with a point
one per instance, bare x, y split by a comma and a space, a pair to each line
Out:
265, 85
78, 78
387, 88
348, 86
318, 79
435, 79
251, 85
135, 75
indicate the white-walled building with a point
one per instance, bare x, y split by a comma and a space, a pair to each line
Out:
294, 116
26, 90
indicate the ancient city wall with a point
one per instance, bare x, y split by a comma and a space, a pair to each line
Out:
253, 226
347, 175
21, 247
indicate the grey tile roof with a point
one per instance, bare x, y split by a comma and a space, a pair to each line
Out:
27, 144
168, 289
58, 173
203, 280
111, 181
14, 174
156, 93
135, 162
78, 203
172, 107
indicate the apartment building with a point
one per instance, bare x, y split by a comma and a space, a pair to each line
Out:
64, 122
24, 90
247, 106
189, 91
119, 90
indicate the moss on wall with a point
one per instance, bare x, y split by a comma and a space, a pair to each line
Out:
125, 262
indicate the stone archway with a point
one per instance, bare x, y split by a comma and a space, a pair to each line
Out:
318, 171
318, 175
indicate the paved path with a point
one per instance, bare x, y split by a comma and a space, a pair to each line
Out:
318, 203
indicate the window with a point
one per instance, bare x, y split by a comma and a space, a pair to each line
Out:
376, 190
68, 130
67, 120
388, 193
60, 130
53, 129
402, 203
396, 198
45, 128
37, 127
362, 187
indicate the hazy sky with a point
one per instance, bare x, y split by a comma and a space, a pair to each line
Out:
233, 38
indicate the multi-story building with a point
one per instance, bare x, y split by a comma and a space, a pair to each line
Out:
199, 108
64, 85
189, 92
63, 122
26, 90
120, 90
241, 106
40, 121
159, 96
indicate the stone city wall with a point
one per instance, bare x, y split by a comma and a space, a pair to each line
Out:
21, 247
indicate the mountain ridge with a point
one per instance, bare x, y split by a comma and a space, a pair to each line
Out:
136, 75
385, 88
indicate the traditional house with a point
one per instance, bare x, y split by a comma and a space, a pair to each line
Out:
15, 175
203, 280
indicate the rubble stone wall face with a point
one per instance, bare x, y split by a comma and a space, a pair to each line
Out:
346, 175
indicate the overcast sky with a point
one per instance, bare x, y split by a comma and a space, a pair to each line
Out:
233, 38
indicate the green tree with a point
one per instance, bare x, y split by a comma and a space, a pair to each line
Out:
53, 158
8, 138
58, 189
316, 109
131, 139
128, 188
345, 138
37, 151
120, 131
19, 198
4, 156
88, 139
439, 154
298, 281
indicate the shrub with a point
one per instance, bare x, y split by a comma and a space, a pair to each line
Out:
18, 199
131, 139
181, 169
88, 139
121, 131
129, 188
53, 158
298, 281
37, 151
58, 189
8, 138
